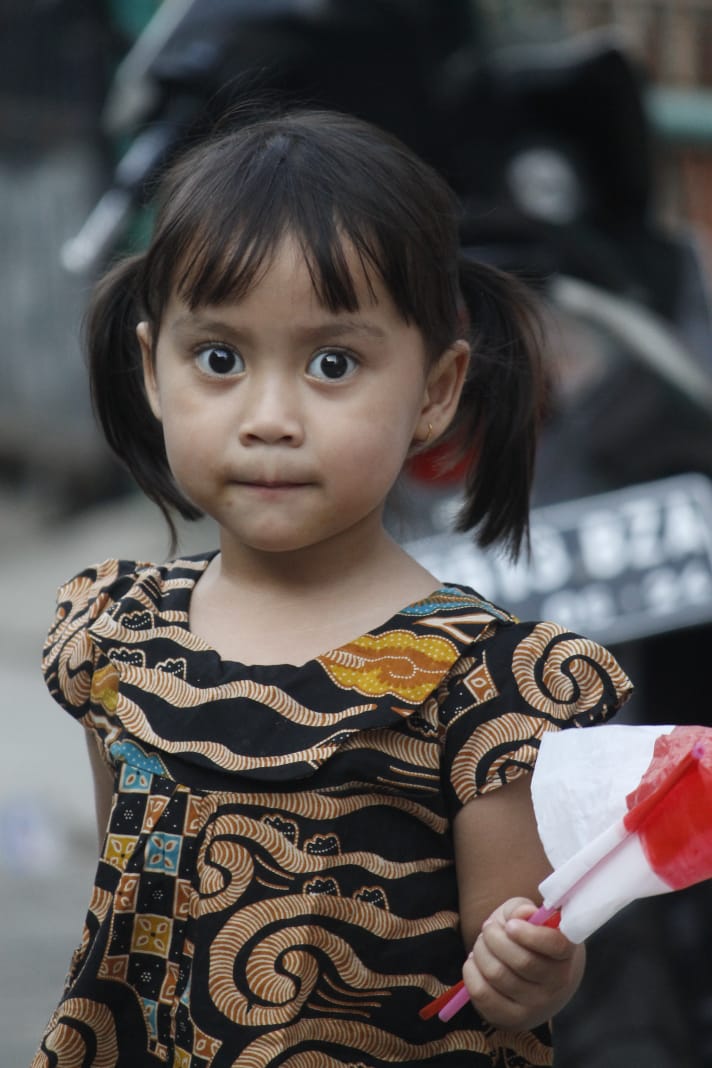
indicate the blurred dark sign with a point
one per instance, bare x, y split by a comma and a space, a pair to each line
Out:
615, 566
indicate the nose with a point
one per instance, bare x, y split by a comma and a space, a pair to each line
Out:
271, 412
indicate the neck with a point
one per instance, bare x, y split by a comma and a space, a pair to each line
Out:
258, 607
329, 565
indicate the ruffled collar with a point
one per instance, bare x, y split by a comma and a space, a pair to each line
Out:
174, 694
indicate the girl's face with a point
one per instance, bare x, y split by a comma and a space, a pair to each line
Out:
288, 423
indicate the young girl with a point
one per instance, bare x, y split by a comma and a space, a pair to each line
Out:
311, 756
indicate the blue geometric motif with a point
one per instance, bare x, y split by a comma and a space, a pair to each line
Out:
133, 780
453, 598
163, 853
150, 1012
133, 754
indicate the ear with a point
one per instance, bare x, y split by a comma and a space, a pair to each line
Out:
442, 393
144, 333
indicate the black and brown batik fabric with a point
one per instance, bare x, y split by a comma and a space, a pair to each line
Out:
277, 885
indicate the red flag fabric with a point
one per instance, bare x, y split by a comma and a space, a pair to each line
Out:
623, 812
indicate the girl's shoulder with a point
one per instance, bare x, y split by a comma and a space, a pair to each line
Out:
103, 588
99, 583
548, 645
551, 668
89, 602
95, 588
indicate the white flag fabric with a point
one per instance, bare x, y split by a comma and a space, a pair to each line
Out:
580, 789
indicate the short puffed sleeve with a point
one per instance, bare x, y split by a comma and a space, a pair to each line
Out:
69, 655
507, 690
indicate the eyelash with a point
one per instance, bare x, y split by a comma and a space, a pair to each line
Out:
216, 346
333, 351
207, 349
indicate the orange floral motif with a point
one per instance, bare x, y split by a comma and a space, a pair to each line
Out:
127, 893
114, 967
193, 814
168, 988
119, 848
152, 934
154, 811
398, 662
480, 683
181, 907
203, 1045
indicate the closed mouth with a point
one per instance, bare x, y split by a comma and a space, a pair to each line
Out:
261, 483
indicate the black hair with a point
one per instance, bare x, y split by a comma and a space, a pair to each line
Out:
326, 178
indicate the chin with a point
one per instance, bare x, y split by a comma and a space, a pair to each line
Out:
272, 543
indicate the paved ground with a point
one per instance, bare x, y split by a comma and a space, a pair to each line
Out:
47, 835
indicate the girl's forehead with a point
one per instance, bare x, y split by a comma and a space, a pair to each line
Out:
285, 301
289, 264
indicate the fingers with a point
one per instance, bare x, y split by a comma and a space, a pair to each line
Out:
519, 973
510, 960
512, 917
516, 906
547, 942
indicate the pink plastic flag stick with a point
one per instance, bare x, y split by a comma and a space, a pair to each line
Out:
455, 1003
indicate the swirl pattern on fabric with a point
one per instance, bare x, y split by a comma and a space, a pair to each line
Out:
277, 883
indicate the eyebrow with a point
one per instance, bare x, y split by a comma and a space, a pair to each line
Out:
332, 329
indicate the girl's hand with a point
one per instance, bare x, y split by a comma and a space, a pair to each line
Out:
518, 974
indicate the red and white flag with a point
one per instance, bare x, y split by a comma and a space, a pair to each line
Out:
623, 812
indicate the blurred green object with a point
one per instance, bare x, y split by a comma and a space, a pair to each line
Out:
131, 16
680, 116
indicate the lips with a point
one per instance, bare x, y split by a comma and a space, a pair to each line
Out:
273, 484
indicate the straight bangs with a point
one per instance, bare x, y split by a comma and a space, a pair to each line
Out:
226, 211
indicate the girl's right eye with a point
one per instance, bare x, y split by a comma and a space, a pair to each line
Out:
219, 361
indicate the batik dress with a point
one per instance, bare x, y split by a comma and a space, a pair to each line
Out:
277, 882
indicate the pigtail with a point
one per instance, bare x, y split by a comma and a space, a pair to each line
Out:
502, 405
116, 377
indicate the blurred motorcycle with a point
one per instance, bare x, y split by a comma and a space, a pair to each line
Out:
199, 62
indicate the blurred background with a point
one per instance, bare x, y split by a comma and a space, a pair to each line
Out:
578, 134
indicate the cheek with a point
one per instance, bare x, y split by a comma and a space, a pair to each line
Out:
374, 450
388, 427
188, 440
184, 461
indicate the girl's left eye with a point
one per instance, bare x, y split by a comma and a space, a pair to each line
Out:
331, 365
219, 361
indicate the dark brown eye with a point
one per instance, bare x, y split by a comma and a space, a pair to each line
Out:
219, 361
332, 365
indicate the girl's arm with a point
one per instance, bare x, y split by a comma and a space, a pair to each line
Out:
518, 975
103, 787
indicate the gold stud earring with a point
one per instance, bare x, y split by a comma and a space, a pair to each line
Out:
428, 435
